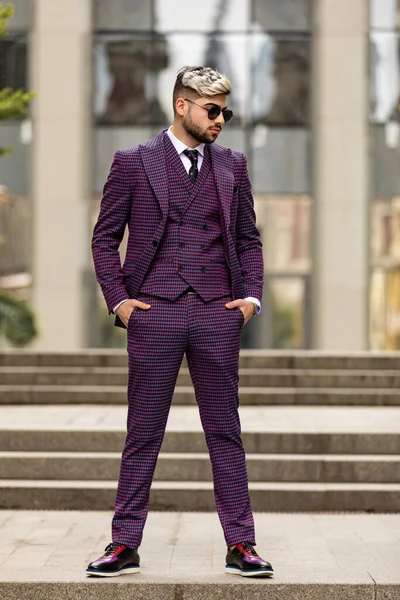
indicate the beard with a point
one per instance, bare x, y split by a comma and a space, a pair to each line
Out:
202, 136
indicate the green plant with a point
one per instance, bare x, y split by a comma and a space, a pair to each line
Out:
17, 320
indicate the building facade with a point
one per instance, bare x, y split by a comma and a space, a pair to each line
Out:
315, 94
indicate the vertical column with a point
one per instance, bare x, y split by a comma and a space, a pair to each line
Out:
60, 161
340, 244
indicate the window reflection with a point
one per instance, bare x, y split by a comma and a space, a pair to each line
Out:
206, 16
127, 71
280, 160
385, 238
385, 278
134, 75
122, 15
22, 18
385, 14
385, 159
285, 225
278, 15
385, 309
281, 76
385, 77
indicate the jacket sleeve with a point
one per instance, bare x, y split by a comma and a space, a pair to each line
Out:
248, 242
108, 233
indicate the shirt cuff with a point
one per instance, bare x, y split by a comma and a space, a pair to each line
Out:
256, 301
119, 304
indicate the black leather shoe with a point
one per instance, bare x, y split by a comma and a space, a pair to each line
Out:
118, 559
244, 560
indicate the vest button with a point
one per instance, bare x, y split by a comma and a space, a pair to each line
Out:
180, 267
181, 244
180, 223
203, 269
202, 246
155, 243
205, 226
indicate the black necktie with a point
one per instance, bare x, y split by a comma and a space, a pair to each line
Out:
193, 171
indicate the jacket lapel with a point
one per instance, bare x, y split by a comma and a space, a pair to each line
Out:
153, 159
224, 179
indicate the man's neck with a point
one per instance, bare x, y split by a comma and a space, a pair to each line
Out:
183, 136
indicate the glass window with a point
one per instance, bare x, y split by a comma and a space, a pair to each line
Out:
15, 234
385, 77
285, 225
286, 307
206, 16
13, 62
385, 159
282, 15
280, 160
122, 15
127, 69
281, 81
22, 19
135, 75
106, 141
385, 14
14, 167
384, 322
385, 233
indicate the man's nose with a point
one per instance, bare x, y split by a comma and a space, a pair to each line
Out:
220, 119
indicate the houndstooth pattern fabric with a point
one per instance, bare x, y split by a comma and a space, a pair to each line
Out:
209, 334
136, 194
142, 191
191, 252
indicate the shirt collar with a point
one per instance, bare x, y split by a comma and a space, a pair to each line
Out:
180, 146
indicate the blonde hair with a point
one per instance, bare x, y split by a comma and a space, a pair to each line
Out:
200, 82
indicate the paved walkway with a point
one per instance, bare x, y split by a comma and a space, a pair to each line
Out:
303, 548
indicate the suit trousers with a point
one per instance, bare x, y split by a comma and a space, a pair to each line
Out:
158, 338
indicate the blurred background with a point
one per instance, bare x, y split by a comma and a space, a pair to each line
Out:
316, 100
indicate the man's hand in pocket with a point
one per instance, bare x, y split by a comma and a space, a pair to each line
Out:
125, 309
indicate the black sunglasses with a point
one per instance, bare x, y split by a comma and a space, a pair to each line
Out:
215, 111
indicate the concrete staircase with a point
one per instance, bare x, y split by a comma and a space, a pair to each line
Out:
321, 433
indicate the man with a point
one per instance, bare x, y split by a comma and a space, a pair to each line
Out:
192, 277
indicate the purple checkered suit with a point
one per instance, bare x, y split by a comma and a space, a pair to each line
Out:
181, 235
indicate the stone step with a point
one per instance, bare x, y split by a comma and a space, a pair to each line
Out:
329, 556
197, 467
213, 586
184, 395
272, 359
199, 496
265, 430
96, 440
117, 376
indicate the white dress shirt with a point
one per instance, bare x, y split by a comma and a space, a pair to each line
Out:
180, 147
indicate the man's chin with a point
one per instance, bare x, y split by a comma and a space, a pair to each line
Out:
213, 135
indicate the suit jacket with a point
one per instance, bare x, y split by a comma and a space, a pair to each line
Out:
136, 194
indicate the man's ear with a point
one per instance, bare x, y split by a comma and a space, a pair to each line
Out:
180, 106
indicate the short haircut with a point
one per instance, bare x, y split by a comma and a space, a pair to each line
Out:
200, 82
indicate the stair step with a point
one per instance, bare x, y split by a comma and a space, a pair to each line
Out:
95, 440
273, 359
197, 467
267, 429
199, 496
117, 376
184, 395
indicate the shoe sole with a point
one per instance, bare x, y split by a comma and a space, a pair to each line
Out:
237, 571
123, 571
